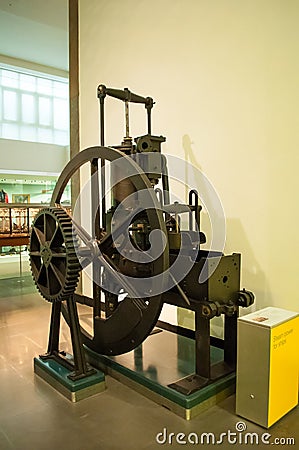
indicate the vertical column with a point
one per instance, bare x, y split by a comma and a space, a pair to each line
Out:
230, 339
74, 91
202, 342
53, 344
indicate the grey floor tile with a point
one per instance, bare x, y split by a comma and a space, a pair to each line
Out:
33, 416
5, 443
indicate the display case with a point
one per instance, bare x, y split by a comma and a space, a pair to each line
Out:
15, 222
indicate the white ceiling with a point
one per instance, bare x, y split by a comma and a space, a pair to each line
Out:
35, 30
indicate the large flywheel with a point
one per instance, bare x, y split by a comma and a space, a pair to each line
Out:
134, 313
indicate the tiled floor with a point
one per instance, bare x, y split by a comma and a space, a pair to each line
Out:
35, 417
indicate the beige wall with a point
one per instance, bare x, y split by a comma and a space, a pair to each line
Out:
224, 75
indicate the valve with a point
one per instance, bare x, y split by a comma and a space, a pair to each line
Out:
246, 298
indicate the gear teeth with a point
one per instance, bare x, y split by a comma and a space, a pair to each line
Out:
73, 267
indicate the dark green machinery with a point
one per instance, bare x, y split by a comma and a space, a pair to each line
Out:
137, 253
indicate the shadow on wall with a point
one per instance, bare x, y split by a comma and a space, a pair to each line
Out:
188, 151
189, 156
253, 277
204, 188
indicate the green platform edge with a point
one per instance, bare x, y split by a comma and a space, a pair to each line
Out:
226, 383
55, 371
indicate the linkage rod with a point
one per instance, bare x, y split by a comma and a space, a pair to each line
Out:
127, 96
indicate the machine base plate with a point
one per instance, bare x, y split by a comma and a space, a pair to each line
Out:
57, 376
162, 359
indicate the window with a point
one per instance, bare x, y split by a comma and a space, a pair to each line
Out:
33, 107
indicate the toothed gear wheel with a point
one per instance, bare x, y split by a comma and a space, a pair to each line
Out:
52, 251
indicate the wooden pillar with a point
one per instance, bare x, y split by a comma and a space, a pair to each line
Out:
74, 91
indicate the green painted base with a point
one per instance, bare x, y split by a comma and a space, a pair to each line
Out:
57, 376
162, 359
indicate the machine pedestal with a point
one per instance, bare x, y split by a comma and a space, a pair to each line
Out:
58, 377
192, 383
